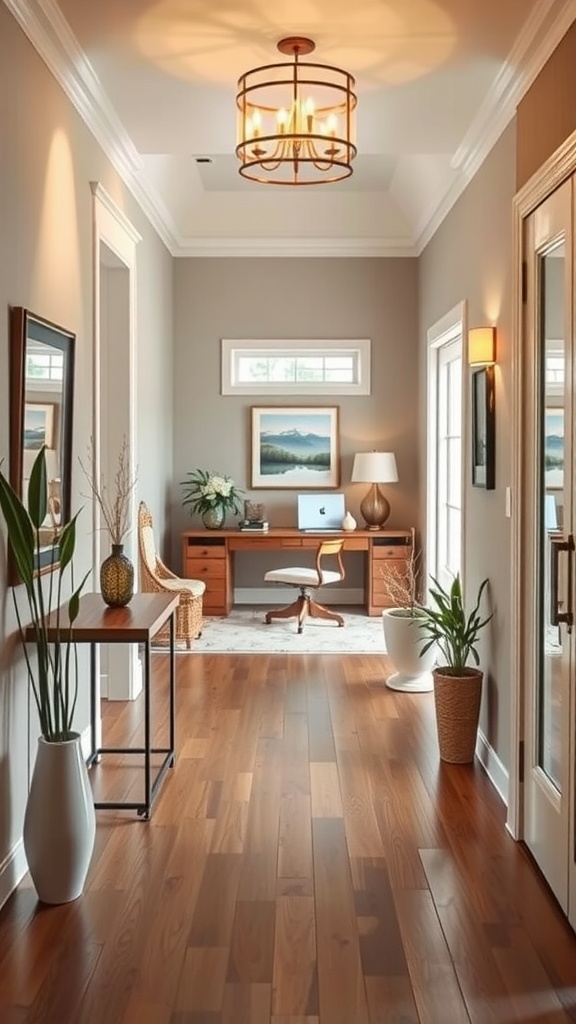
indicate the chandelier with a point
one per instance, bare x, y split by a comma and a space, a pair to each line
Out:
295, 120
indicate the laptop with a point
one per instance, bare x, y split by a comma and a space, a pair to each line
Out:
321, 513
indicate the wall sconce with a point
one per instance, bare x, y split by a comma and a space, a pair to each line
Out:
374, 468
482, 356
481, 346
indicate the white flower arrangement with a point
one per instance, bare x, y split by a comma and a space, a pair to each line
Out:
206, 491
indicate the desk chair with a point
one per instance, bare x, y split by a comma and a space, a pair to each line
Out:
308, 579
156, 578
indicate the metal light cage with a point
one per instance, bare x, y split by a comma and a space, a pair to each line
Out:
282, 138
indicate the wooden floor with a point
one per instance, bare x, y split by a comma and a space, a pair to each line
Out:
308, 861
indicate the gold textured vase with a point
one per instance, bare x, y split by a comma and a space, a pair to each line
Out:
117, 578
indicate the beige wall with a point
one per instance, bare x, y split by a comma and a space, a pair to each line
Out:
470, 257
48, 159
295, 298
547, 113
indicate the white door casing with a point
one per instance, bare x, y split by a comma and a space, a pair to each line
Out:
540, 809
445, 369
114, 327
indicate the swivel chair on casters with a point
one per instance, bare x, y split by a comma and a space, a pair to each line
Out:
309, 579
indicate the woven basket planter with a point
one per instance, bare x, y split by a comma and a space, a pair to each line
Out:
457, 703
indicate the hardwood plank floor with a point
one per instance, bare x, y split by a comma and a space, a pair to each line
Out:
308, 861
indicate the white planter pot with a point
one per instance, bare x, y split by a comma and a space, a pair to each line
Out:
60, 823
404, 641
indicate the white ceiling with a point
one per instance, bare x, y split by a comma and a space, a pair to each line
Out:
437, 82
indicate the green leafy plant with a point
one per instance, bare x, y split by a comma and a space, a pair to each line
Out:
205, 491
447, 625
53, 673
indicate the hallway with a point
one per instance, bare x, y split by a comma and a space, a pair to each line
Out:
309, 861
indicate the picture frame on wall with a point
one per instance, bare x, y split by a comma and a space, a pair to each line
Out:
483, 429
554, 448
38, 425
295, 447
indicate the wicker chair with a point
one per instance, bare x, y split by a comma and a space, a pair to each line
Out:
156, 578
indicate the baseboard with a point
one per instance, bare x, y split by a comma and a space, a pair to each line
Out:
12, 871
281, 595
493, 766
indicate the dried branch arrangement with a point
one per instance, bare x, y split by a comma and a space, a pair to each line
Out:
114, 502
402, 586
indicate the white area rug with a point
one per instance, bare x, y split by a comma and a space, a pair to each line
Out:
245, 631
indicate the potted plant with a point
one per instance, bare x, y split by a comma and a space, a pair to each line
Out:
400, 623
59, 822
457, 685
211, 495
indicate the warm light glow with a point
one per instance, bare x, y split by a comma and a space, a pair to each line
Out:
481, 346
295, 120
374, 468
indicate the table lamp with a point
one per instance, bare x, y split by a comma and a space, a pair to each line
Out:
375, 468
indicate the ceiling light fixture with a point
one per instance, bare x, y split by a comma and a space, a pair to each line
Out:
296, 121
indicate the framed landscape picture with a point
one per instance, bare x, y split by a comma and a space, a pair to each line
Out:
295, 446
554, 448
38, 425
483, 429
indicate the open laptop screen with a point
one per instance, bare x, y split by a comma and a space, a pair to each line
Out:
320, 511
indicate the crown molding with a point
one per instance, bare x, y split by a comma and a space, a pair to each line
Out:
52, 38
526, 58
50, 34
530, 52
294, 247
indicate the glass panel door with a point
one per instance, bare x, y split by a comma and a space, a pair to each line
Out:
548, 542
449, 478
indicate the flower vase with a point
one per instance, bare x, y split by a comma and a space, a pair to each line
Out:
59, 824
213, 518
117, 578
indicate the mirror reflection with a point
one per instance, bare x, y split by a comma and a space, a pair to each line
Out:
41, 396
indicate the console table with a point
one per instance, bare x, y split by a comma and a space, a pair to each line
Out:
209, 555
137, 623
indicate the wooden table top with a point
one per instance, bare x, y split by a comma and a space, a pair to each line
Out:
138, 622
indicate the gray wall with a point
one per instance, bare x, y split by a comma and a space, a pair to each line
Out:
48, 159
470, 257
295, 298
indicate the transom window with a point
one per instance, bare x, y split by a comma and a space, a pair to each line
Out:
44, 364
296, 367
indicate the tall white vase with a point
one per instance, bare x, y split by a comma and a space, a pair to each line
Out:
60, 823
404, 642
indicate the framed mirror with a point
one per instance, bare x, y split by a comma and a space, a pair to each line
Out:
41, 394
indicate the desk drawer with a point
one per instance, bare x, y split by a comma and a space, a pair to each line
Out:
214, 601
205, 568
386, 551
202, 551
258, 542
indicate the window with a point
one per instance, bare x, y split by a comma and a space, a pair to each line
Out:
296, 367
45, 366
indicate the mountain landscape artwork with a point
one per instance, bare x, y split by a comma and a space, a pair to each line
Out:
296, 447
554, 448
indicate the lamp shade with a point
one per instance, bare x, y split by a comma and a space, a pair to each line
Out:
374, 468
481, 346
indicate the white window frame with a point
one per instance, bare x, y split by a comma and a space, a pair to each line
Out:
233, 348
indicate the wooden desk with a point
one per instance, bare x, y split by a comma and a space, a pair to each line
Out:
137, 623
209, 555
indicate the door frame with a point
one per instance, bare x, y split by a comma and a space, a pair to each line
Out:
454, 323
560, 166
112, 231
